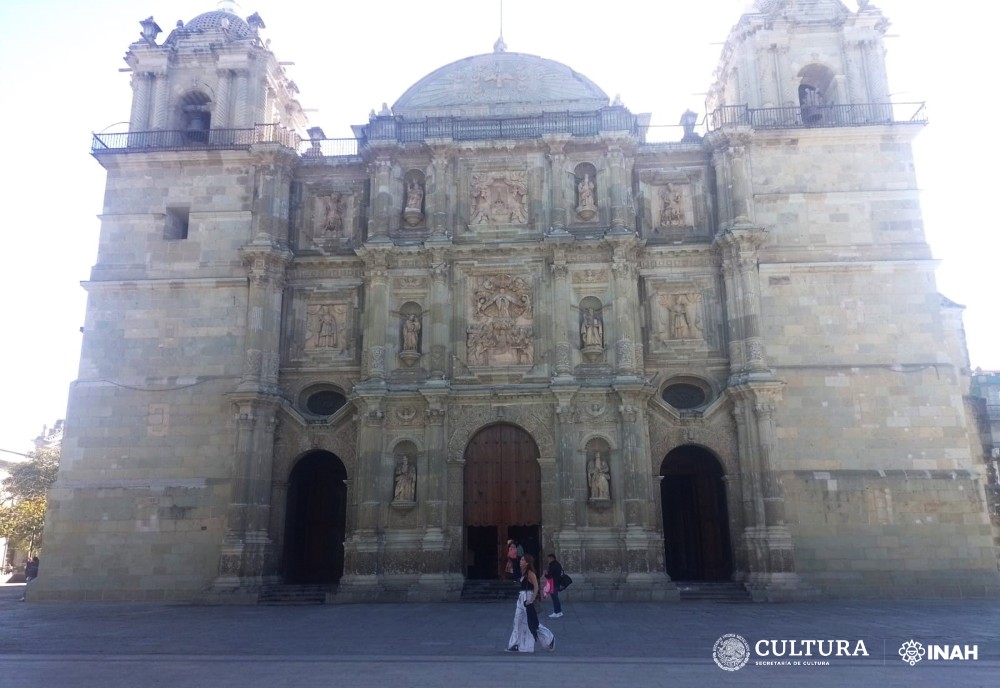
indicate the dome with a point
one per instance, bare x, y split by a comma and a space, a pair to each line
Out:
500, 83
219, 19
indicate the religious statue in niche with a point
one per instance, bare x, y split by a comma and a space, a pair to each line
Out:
325, 327
592, 329
599, 478
685, 317
413, 209
502, 331
586, 201
405, 481
672, 213
499, 198
411, 333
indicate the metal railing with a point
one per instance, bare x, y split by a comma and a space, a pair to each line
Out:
194, 139
329, 148
807, 116
389, 128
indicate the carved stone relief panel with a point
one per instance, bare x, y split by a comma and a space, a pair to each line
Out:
498, 198
501, 322
673, 204
328, 327
682, 314
330, 218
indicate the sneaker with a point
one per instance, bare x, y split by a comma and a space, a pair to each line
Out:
555, 615
512, 649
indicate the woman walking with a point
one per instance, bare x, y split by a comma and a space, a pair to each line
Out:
527, 631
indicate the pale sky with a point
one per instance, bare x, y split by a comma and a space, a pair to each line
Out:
59, 73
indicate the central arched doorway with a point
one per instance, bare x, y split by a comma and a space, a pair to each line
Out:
315, 520
695, 517
503, 498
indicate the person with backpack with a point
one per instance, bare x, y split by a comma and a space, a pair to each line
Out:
553, 578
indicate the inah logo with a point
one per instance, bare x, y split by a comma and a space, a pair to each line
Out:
912, 652
731, 652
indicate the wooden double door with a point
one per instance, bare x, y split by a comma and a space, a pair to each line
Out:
503, 498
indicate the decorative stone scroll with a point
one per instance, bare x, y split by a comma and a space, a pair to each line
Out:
499, 198
502, 330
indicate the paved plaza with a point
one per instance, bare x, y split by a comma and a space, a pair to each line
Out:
118, 645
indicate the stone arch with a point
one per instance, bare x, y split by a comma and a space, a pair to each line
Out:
194, 115
817, 89
471, 422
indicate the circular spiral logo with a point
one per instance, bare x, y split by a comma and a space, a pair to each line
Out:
731, 652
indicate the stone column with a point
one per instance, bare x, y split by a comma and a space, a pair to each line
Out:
362, 543
739, 258
626, 294
241, 114
220, 116
557, 182
857, 91
731, 159
618, 188
161, 104
564, 326
142, 83
437, 191
376, 278
771, 95
381, 200
440, 315
266, 262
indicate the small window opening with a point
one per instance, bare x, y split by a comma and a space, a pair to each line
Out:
176, 226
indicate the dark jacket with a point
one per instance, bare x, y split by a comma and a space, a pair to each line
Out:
554, 571
31, 569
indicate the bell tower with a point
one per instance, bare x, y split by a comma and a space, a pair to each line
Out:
808, 54
213, 73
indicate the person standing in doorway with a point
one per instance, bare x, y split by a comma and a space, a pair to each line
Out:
554, 573
512, 568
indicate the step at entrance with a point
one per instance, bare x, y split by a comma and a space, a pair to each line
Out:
294, 594
490, 590
717, 591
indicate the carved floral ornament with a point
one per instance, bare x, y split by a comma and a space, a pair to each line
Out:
499, 198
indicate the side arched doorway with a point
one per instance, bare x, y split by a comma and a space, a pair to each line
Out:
503, 498
315, 520
696, 541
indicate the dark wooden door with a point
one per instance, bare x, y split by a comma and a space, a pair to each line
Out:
695, 517
315, 520
502, 490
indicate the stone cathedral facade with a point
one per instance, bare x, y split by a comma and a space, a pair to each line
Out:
503, 311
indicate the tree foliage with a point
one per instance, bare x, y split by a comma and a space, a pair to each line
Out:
22, 511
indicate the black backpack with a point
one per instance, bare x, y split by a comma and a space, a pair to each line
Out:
564, 581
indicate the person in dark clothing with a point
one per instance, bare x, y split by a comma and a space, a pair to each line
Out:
30, 574
554, 573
